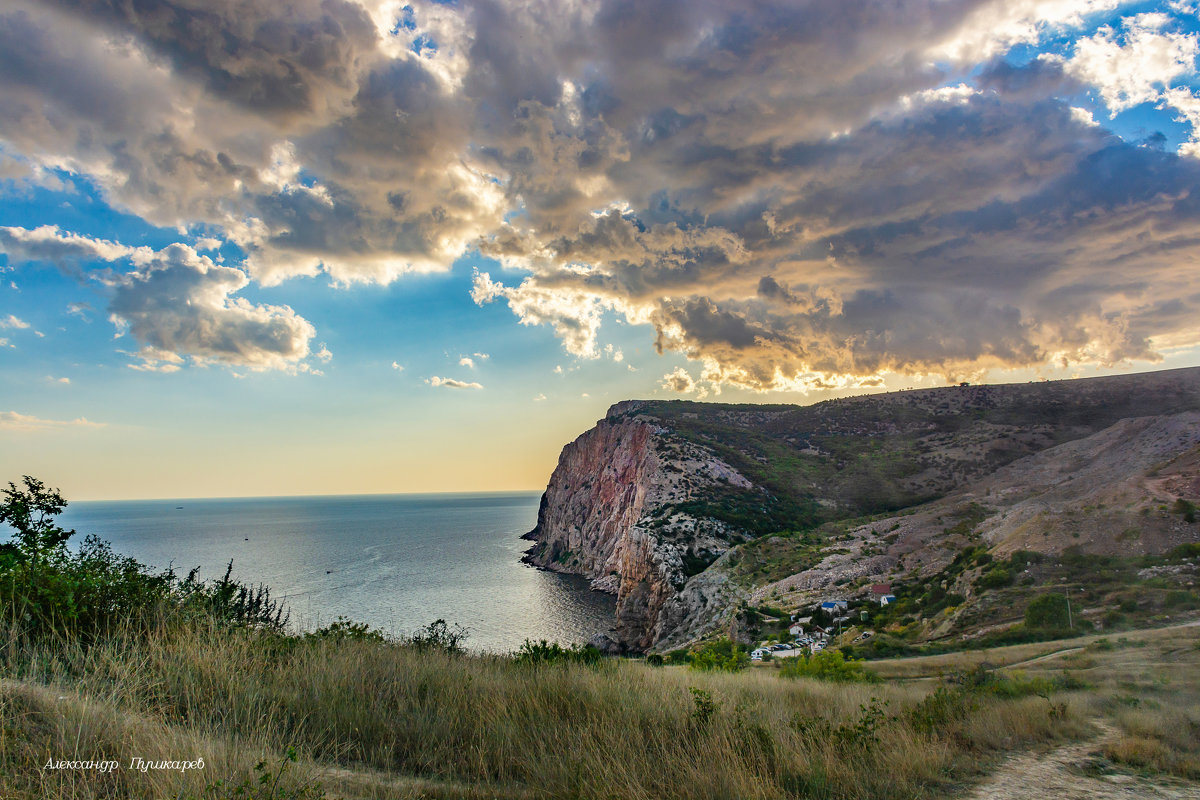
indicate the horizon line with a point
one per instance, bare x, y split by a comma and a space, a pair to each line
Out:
295, 496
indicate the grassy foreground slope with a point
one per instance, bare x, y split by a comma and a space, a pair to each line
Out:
119, 683
383, 720
374, 719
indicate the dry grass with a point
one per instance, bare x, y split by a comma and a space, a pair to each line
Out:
1146, 684
372, 720
936, 666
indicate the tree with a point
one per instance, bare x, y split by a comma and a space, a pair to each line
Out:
30, 512
1047, 611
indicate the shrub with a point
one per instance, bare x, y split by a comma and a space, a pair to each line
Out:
345, 629
705, 707
680, 656
1020, 559
544, 653
1047, 611
438, 635
719, 654
1189, 550
47, 589
828, 665
232, 601
995, 578
982, 679
937, 710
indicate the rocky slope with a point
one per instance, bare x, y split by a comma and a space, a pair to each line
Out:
602, 517
1106, 494
662, 503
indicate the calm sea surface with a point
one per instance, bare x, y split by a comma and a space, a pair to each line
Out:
394, 561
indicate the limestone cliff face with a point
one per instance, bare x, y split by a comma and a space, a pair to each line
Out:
609, 514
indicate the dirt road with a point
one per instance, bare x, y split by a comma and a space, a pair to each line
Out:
1061, 775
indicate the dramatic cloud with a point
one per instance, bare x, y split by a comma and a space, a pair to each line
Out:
180, 303
793, 195
13, 420
177, 303
451, 383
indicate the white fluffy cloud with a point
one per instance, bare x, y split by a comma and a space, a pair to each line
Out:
177, 303
679, 381
50, 244
180, 303
452, 383
1137, 69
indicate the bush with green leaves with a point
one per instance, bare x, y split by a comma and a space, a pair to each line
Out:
45, 588
720, 654
827, 665
544, 653
344, 629
1047, 612
995, 578
438, 635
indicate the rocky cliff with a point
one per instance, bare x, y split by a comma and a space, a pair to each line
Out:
657, 502
605, 515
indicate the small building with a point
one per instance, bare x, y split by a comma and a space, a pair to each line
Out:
833, 605
796, 630
886, 599
880, 589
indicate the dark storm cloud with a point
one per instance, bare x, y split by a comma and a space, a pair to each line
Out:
279, 57
785, 191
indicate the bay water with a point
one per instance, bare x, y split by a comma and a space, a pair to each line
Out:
395, 562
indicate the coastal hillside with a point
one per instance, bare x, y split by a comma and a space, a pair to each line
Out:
690, 513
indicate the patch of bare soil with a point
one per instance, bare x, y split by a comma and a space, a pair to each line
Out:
1068, 773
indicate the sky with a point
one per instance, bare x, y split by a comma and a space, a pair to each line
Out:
279, 247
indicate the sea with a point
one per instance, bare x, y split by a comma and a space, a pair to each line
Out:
395, 562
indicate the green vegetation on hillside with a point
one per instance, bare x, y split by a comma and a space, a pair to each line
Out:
877, 453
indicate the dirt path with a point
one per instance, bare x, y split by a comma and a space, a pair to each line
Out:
1045, 657
1060, 775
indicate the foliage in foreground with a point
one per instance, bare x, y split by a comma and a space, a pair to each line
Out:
543, 653
46, 589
